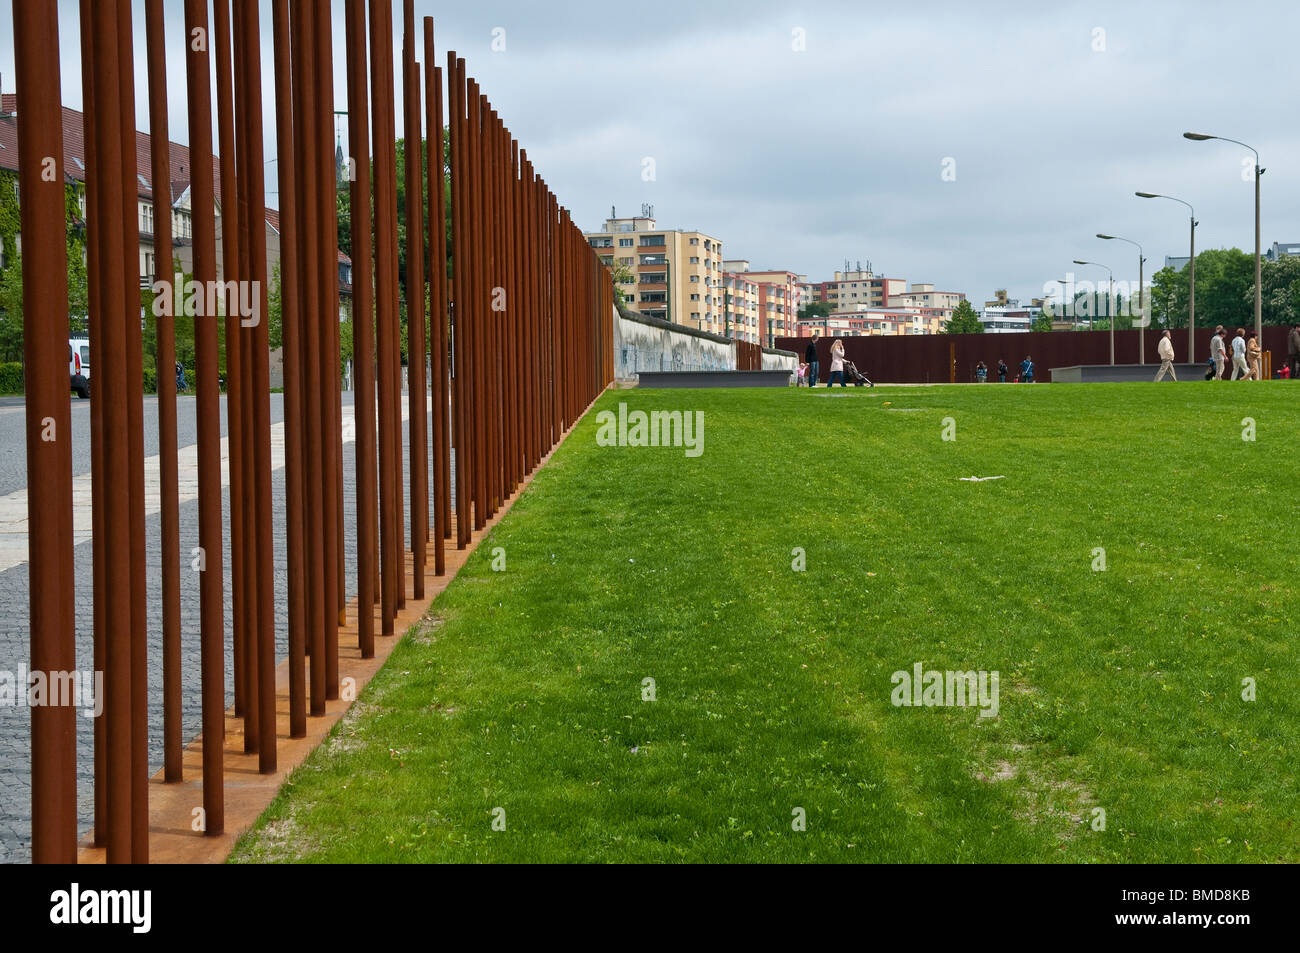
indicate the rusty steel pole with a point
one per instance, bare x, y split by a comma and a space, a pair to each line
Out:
363, 340
165, 372
290, 295
415, 296
390, 161
437, 214
212, 637
97, 462
304, 84
328, 378
134, 408
459, 285
257, 343
386, 318
234, 417
110, 390
478, 307
51, 592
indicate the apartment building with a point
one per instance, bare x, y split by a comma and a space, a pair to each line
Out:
924, 296
869, 322
853, 290
672, 274
175, 194
778, 299
740, 301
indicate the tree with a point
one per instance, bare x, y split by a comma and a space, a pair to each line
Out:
620, 274
11, 311
815, 311
1280, 301
1041, 323
964, 320
275, 316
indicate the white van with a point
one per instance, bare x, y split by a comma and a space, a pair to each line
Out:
79, 366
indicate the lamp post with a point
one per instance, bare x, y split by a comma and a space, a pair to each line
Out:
1142, 311
1259, 313
1191, 289
1110, 302
1063, 282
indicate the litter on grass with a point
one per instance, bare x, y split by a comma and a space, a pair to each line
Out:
975, 479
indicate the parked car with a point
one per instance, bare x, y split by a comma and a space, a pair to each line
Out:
79, 366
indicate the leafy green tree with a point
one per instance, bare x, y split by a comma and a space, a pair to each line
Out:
815, 311
275, 316
11, 311
964, 320
1280, 302
1041, 323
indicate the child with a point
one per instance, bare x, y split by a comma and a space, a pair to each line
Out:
801, 376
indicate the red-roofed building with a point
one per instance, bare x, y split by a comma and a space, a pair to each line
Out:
176, 193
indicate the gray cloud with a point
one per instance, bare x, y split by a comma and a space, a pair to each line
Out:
803, 159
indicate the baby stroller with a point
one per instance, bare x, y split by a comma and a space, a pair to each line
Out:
854, 376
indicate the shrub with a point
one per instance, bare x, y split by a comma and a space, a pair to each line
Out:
11, 378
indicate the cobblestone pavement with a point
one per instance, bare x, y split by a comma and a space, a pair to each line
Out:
15, 737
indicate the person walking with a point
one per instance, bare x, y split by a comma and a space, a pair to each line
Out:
1239, 368
1002, 371
1293, 352
1253, 353
810, 355
1027, 370
1218, 353
1166, 351
837, 363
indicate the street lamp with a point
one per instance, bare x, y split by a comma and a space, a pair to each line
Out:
1191, 291
1142, 323
1063, 282
1110, 303
1201, 137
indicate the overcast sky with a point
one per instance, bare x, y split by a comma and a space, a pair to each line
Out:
1052, 115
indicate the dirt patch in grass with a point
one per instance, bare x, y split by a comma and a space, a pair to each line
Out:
425, 631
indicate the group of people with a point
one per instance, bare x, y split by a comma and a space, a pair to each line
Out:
810, 370
1026, 375
1245, 354
1244, 348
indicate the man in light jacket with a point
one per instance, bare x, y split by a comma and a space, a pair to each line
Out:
1239, 368
1166, 352
1218, 353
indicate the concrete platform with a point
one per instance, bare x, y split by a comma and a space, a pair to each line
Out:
1123, 373
776, 378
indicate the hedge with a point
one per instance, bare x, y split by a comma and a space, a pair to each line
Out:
11, 378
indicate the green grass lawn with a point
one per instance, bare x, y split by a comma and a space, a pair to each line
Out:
1119, 690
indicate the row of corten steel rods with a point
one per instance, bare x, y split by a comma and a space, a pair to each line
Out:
507, 314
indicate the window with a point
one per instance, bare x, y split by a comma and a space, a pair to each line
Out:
653, 278
695, 277
695, 241
695, 260
625, 243
146, 218
653, 260
601, 242
652, 241
695, 297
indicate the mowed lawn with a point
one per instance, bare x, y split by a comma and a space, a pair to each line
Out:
1120, 690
